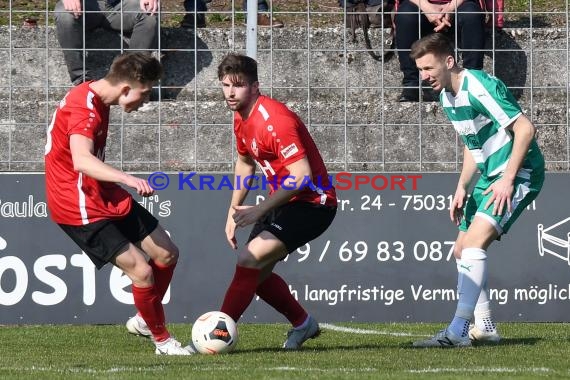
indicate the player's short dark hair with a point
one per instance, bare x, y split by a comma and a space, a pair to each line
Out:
239, 67
134, 68
437, 44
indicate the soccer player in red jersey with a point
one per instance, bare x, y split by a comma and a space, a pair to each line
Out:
85, 200
301, 203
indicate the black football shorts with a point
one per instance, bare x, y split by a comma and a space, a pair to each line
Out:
104, 239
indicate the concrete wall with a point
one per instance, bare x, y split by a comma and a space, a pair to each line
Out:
347, 99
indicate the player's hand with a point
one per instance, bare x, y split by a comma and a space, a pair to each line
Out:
149, 6
73, 7
140, 185
457, 205
246, 215
502, 190
231, 229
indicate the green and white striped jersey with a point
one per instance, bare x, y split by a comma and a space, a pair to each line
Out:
480, 113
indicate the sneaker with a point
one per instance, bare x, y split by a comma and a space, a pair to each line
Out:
296, 337
411, 94
480, 336
429, 95
445, 339
188, 21
171, 347
265, 21
191, 348
137, 326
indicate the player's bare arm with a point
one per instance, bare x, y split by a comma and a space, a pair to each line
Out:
73, 7
468, 172
298, 171
84, 161
502, 189
245, 166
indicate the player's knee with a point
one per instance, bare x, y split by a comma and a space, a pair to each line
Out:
142, 275
246, 259
170, 256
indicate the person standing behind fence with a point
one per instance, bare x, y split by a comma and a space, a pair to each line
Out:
196, 18
301, 203
500, 144
137, 17
417, 18
85, 200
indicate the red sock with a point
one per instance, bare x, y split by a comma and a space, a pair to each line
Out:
240, 292
162, 276
275, 292
149, 305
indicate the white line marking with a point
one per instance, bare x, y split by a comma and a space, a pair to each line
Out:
332, 370
114, 370
481, 369
366, 332
84, 370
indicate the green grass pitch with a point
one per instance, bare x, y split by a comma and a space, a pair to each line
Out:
343, 351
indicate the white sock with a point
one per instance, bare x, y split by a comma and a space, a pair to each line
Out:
483, 317
472, 274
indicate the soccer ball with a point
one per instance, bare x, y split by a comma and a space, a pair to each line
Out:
214, 333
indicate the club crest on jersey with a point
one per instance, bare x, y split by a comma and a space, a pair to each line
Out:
254, 148
290, 150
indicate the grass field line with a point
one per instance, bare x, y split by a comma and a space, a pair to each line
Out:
138, 369
83, 369
483, 369
352, 330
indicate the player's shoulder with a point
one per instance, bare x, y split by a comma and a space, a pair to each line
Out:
78, 96
273, 107
481, 79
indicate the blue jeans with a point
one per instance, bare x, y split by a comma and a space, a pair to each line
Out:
200, 5
143, 29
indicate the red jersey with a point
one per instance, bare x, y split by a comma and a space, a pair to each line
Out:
72, 197
275, 137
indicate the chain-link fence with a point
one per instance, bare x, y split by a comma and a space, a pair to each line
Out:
349, 100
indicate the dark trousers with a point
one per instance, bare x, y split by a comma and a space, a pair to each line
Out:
410, 28
200, 5
124, 17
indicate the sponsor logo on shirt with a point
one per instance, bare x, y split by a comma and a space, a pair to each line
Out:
254, 148
289, 151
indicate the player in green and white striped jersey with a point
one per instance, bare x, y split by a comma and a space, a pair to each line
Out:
500, 144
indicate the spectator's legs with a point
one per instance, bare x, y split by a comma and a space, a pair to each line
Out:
70, 36
191, 18
262, 6
471, 26
143, 27
263, 19
410, 27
